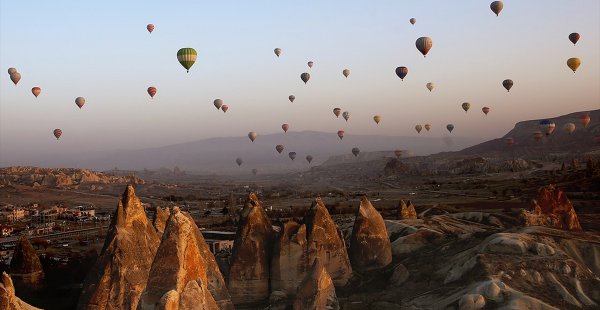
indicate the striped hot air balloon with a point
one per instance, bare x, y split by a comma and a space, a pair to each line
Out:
152, 91
187, 57
57, 133
424, 44
401, 72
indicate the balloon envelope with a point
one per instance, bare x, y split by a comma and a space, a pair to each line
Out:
466, 106
346, 115
508, 84
57, 133
485, 110
239, 161
401, 72
450, 127
187, 57
496, 7
418, 128
12, 70
252, 136
574, 37
15, 77
413, 20
337, 112
538, 135
151, 91
150, 28
292, 155
574, 63
218, 103
341, 134
36, 91
305, 77
254, 171
224, 108
346, 72
424, 44
377, 119
277, 51
309, 158
355, 151
285, 127
430, 86
398, 153
310, 64
547, 126
569, 128
279, 148
80, 101
427, 127
584, 120
292, 98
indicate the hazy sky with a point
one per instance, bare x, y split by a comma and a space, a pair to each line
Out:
101, 50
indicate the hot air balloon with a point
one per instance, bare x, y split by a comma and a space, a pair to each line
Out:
252, 136
569, 128
346, 72
337, 112
427, 127
218, 103
224, 108
57, 133
573, 63
152, 91
279, 148
12, 70
341, 134
277, 51
377, 119
80, 101
285, 127
574, 37
310, 64
309, 158
538, 135
401, 72
466, 106
239, 161
508, 84
187, 57
398, 153
292, 155
430, 86
15, 77
355, 151
485, 110
254, 171
497, 7
418, 128
424, 44
150, 28
292, 98
509, 141
584, 120
346, 115
36, 91
547, 126
305, 77
413, 20
450, 127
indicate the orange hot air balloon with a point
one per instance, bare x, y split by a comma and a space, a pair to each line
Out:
224, 108
150, 27
279, 148
36, 91
80, 101
424, 44
341, 134
285, 127
584, 120
152, 91
57, 133
427, 127
485, 110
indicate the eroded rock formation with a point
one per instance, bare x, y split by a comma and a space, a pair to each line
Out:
63, 177
317, 290
551, 208
178, 276
290, 259
8, 299
25, 260
370, 247
121, 272
160, 220
248, 280
406, 212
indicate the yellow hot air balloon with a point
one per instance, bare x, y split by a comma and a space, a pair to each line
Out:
427, 127
569, 128
574, 63
377, 119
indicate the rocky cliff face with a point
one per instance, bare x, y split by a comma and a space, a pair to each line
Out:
552, 208
160, 220
8, 299
63, 177
249, 269
406, 212
317, 290
370, 247
326, 241
121, 272
290, 259
178, 276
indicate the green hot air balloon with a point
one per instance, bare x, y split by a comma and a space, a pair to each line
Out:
187, 57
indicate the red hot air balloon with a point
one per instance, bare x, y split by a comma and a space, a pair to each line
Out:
401, 72
224, 108
36, 91
341, 134
584, 120
285, 127
150, 27
279, 148
152, 91
574, 37
57, 133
